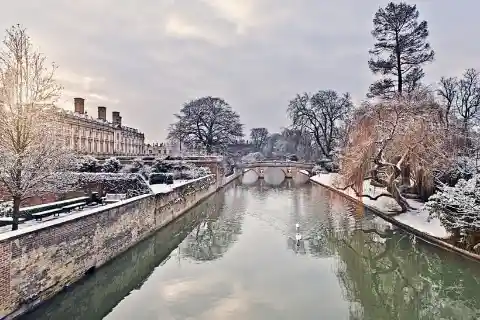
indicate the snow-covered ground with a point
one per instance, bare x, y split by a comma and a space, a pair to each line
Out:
304, 172
166, 188
416, 218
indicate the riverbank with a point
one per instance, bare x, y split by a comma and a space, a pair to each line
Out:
40, 260
415, 221
417, 218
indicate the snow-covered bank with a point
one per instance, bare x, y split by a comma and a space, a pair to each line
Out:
166, 188
417, 218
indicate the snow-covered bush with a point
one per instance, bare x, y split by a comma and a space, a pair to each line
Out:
131, 184
458, 207
6, 208
161, 166
87, 164
135, 167
461, 168
326, 165
111, 165
253, 157
160, 178
317, 169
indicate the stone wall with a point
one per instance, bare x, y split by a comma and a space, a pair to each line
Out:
38, 261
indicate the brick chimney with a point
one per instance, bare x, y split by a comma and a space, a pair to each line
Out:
102, 113
79, 104
116, 119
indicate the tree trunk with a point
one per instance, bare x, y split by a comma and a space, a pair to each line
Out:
16, 212
406, 175
395, 192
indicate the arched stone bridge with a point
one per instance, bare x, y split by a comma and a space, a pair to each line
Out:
289, 168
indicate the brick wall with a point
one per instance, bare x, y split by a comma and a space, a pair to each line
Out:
36, 262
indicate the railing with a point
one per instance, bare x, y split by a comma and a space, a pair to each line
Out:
277, 164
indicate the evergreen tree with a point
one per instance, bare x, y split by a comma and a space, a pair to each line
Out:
400, 50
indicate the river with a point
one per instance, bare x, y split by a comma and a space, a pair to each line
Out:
234, 257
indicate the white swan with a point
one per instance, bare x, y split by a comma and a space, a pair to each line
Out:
298, 236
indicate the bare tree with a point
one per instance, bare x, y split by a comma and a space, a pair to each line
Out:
400, 50
395, 143
462, 96
320, 115
31, 153
448, 93
258, 137
209, 122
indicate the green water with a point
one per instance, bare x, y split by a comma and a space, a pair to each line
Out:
235, 257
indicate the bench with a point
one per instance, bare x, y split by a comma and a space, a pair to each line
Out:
38, 216
114, 197
50, 206
5, 221
74, 206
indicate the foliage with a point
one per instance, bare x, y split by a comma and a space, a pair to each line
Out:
458, 207
87, 164
6, 209
207, 122
461, 168
160, 178
111, 165
253, 157
258, 137
321, 116
30, 151
400, 50
395, 143
136, 166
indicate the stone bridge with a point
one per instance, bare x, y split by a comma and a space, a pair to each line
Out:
290, 169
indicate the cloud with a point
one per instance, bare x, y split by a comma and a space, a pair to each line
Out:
145, 59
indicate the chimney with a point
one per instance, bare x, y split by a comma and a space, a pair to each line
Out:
102, 113
79, 104
116, 119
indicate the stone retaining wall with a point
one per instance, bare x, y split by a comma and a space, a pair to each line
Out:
37, 262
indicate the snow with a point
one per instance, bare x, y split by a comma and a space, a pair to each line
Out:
166, 188
417, 218
304, 172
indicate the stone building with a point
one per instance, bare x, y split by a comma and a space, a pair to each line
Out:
156, 149
97, 136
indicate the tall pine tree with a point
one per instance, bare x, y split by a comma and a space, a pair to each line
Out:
400, 50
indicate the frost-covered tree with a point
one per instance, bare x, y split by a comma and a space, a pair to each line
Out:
400, 50
462, 99
458, 207
258, 137
321, 116
399, 145
207, 122
31, 150
111, 165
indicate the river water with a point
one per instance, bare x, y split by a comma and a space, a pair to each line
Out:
234, 257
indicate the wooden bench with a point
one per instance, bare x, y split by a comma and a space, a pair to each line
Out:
38, 216
70, 207
114, 197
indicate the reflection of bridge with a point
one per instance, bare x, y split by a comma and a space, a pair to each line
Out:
290, 169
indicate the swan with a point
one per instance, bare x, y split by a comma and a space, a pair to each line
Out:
298, 236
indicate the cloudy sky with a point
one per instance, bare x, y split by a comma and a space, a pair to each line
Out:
145, 58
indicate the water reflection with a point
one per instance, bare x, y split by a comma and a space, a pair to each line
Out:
236, 258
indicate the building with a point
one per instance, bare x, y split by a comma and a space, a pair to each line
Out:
156, 150
97, 136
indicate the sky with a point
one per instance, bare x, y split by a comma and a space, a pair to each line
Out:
147, 58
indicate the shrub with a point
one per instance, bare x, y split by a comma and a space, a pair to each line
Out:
6, 209
160, 178
111, 165
135, 167
87, 164
458, 207
160, 166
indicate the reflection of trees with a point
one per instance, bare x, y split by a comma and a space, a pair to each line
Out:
215, 235
392, 279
